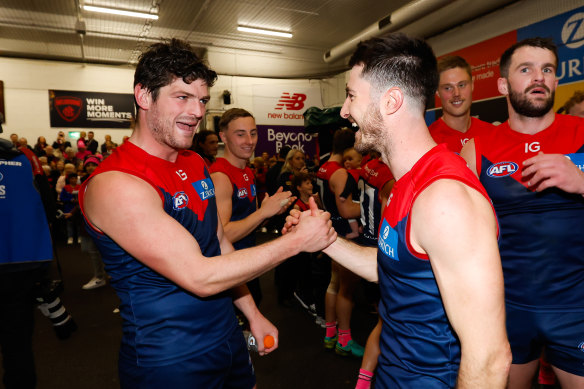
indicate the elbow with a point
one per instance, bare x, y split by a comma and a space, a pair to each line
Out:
499, 361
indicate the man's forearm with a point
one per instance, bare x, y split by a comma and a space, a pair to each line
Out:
360, 260
485, 372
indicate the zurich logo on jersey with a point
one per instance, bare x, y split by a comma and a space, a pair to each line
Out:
502, 169
180, 201
581, 347
242, 193
387, 241
204, 188
1, 176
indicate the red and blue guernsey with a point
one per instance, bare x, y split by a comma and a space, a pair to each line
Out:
542, 248
443, 133
374, 175
163, 323
323, 177
243, 200
419, 348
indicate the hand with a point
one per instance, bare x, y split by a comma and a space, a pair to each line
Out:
314, 230
260, 328
277, 203
291, 221
553, 170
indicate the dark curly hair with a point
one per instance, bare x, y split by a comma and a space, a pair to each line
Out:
164, 62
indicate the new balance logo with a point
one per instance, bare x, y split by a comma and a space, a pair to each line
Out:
292, 103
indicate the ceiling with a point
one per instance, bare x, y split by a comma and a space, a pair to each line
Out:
50, 29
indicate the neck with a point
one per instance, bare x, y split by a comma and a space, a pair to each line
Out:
235, 161
528, 125
336, 158
458, 123
407, 145
304, 197
142, 137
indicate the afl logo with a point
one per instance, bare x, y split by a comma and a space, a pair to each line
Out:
385, 232
573, 31
502, 169
242, 193
180, 201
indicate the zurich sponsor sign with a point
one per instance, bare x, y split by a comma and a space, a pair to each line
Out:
180, 201
387, 241
204, 188
502, 169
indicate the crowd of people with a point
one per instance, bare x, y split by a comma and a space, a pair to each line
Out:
465, 234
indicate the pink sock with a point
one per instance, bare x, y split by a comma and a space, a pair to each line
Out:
364, 381
344, 337
331, 330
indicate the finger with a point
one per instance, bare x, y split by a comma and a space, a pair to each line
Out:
313, 207
280, 189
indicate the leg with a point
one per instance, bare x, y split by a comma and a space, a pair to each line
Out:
568, 380
370, 357
16, 328
347, 283
521, 375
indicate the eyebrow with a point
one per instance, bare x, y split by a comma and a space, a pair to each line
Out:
546, 65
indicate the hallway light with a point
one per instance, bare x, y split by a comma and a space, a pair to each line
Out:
120, 12
264, 32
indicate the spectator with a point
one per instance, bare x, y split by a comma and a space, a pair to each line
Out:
575, 105
206, 144
39, 147
91, 144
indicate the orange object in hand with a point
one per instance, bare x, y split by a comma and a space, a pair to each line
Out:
269, 341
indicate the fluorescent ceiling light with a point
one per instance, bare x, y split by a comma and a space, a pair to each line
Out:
120, 12
264, 32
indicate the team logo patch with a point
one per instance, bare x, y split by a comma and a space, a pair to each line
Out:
68, 107
242, 193
205, 188
502, 169
387, 241
180, 201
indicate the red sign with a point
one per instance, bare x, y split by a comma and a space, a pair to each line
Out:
68, 107
292, 103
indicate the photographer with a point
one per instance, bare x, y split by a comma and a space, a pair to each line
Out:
25, 255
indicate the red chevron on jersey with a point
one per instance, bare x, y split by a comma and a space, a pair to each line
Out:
504, 150
443, 133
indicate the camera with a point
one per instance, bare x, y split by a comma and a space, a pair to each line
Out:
50, 305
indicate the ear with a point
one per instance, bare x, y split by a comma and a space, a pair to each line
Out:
222, 136
142, 96
502, 86
391, 101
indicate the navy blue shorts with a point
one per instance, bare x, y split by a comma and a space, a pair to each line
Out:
227, 366
560, 334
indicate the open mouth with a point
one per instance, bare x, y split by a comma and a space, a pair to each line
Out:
190, 127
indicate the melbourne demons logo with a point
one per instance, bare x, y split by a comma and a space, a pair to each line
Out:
292, 103
69, 108
180, 201
573, 31
502, 169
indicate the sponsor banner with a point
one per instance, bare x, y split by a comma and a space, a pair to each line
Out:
283, 104
567, 31
483, 59
272, 138
90, 109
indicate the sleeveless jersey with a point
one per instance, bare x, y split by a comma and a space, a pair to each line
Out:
24, 228
374, 175
301, 204
164, 323
419, 348
243, 199
542, 248
323, 176
443, 133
